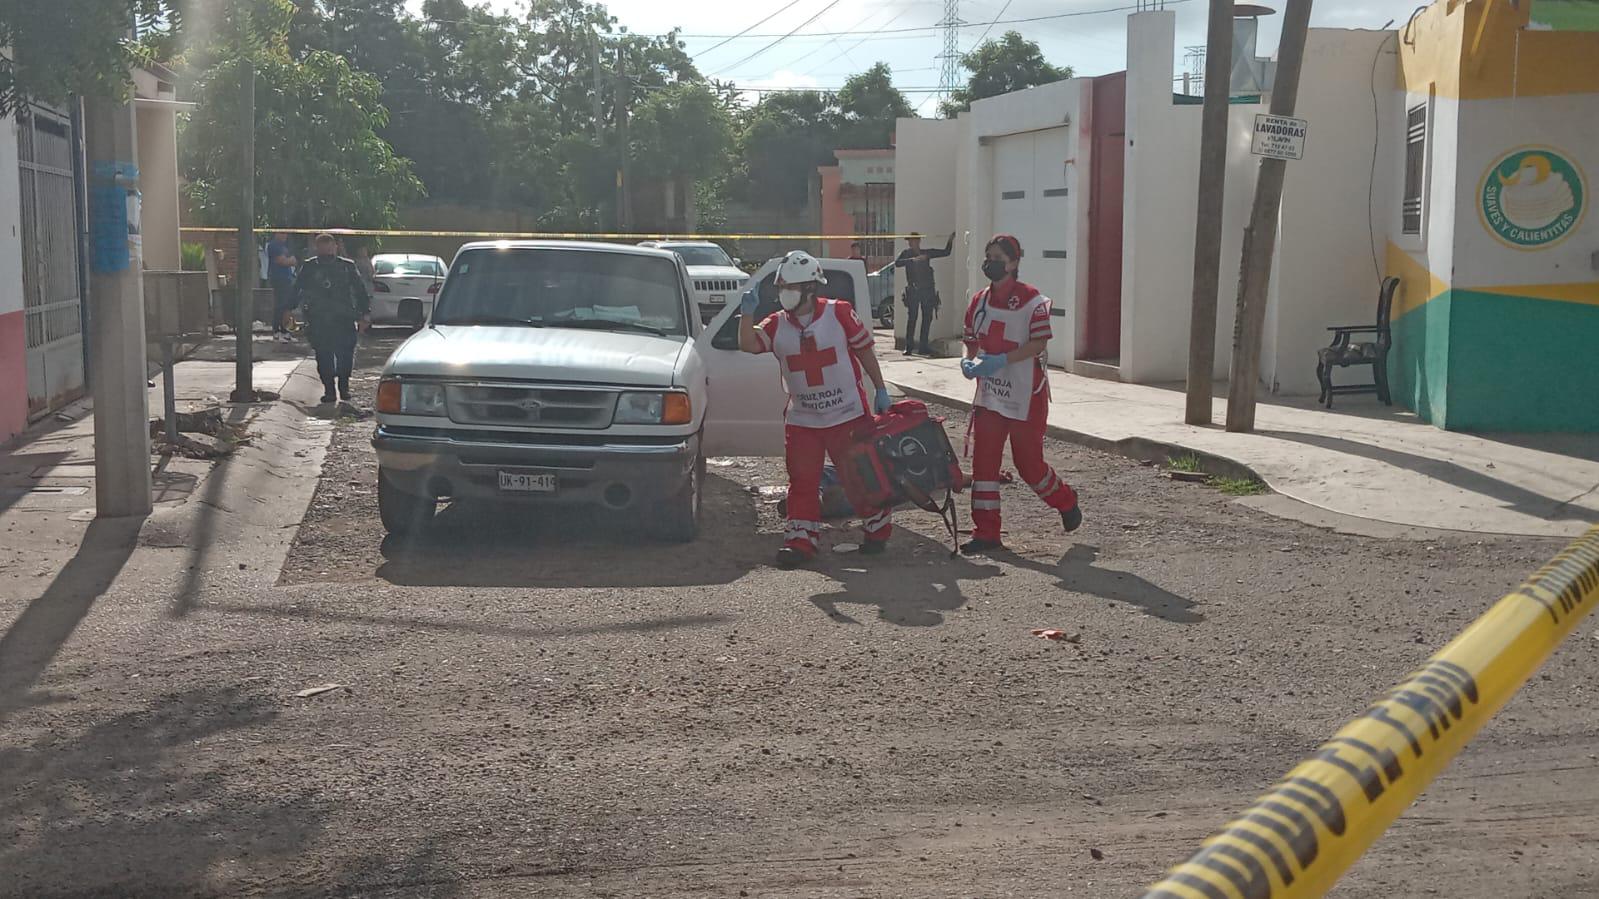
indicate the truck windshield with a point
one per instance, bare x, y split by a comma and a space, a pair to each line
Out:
555, 288
703, 256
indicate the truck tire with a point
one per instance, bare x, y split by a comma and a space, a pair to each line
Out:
403, 513
677, 520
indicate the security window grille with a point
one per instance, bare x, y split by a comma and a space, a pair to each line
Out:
1415, 169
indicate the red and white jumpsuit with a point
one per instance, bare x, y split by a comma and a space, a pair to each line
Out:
1013, 403
827, 410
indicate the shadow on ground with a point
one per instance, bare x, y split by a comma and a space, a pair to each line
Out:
490, 545
915, 584
1079, 572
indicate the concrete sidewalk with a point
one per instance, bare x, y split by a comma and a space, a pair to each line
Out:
1363, 459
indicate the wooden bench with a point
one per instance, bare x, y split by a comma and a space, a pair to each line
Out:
1345, 352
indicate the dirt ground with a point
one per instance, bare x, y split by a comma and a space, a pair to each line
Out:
549, 704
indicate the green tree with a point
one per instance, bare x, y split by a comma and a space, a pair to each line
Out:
868, 105
319, 158
784, 138
64, 47
1011, 63
682, 131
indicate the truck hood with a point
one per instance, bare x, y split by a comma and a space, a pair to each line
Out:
539, 354
716, 271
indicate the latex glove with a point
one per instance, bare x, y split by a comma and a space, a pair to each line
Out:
749, 302
988, 365
969, 368
881, 401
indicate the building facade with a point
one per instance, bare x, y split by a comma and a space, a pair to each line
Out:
1454, 153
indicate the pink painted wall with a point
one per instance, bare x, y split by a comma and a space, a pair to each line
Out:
835, 218
13, 376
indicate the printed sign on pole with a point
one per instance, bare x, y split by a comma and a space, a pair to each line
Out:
1279, 137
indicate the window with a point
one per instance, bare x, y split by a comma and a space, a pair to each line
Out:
702, 255
1415, 170
840, 286
564, 289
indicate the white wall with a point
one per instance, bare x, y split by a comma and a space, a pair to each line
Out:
925, 162
1161, 205
1334, 227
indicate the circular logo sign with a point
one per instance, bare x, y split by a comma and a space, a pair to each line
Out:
1533, 197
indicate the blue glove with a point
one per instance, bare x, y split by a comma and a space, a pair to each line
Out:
969, 368
881, 401
749, 301
988, 365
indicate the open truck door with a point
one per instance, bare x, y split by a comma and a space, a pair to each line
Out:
746, 399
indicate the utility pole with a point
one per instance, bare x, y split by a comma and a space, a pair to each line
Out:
599, 109
624, 174
1260, 240
1212, 191
116, 320
244, 314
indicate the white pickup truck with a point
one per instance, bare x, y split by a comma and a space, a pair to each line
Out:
559, 372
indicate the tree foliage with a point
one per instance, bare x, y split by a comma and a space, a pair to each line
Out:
59, 48
319, 159
1011, 63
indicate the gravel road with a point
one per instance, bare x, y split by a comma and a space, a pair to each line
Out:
541, 704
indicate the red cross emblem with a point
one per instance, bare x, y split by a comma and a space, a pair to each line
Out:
811, 361
994, 339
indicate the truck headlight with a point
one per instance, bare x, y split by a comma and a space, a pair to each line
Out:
641, 408
410, 398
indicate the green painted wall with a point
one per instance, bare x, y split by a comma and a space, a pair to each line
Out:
1418, 361
1471, 361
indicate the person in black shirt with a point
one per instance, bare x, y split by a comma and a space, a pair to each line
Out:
921, 295
333, 296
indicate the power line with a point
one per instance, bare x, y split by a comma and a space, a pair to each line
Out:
845, 52
783, 9
939, 27
820, 47
990, 27
781, 39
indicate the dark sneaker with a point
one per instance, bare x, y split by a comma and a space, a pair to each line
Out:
1072, 519
975, 547
874, 547
789, 558
328, 398
910, 351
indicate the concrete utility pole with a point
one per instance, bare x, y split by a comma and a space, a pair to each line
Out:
116, 325
624, 174
244, 314
1212, 191
1260, 240
599, 109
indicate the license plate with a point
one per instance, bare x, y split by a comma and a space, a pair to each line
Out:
718, 298
519, 482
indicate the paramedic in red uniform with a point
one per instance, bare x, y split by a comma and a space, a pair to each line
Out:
1007, 330
821, 348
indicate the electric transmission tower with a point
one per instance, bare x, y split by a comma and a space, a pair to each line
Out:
949, 78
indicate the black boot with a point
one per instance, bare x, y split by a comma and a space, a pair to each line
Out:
328, 393
1071, 519
344, 388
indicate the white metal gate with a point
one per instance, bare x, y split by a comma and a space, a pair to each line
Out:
51, 292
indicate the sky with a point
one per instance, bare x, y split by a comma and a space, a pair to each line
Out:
1092, 43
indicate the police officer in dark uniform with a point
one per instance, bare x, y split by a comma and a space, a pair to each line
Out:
921, 294
334, 304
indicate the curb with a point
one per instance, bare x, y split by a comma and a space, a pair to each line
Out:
1139, 449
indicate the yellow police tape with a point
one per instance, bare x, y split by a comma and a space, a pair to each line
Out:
545, 235
1300, 837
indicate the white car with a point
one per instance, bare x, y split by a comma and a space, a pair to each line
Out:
404, 286
716, 277
562, 372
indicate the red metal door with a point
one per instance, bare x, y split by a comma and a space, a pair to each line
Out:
1108, 128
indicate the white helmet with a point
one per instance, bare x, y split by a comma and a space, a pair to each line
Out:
800, 267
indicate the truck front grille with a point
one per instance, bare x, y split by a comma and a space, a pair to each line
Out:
528, 406
718, 285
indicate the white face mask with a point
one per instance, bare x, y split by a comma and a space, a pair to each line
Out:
790, 299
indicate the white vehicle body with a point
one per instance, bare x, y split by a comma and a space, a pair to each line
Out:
716, 278
404, 286
532, 412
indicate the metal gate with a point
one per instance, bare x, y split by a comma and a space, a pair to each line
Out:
879, 219
51, 289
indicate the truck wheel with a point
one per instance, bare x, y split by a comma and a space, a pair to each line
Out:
677, 520
886, 319
403, 513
